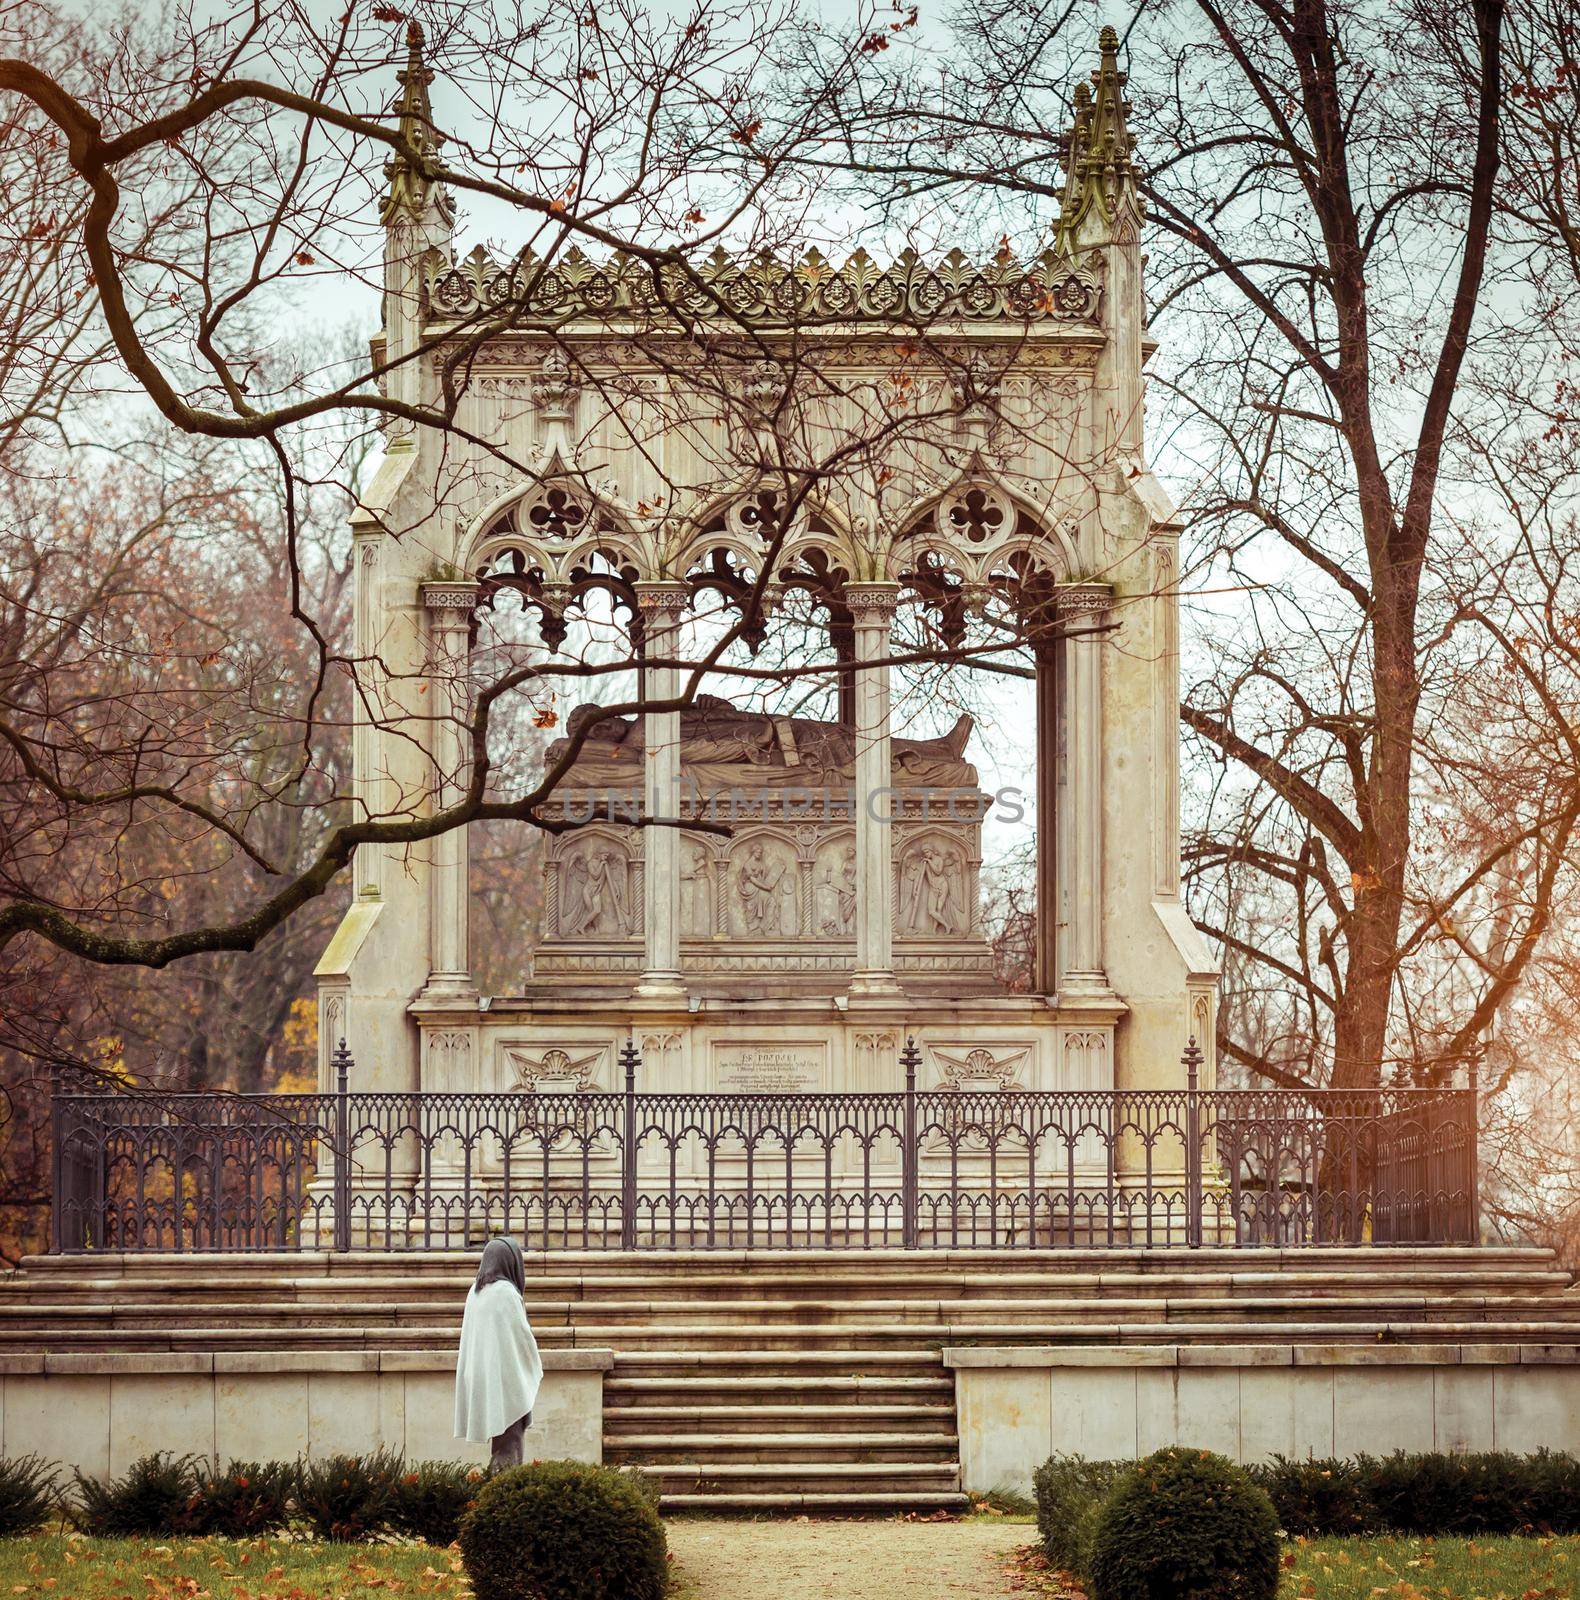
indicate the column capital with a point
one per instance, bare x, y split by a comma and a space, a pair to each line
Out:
663, 599
872, 604
460, 595
1083, 599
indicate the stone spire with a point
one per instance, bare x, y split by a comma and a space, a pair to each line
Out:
1100, 196
413, 194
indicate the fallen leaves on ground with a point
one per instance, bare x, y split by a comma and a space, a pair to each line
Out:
1030, 1572
275, 1568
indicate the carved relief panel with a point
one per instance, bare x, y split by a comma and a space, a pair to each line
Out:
595, 892
763, 888
697, 890
834, 886
935, 887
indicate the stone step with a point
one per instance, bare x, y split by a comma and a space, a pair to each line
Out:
833, 1340
640, 1288
792, 1391
724, 1314
627, 1421
779, 1449
884, 1364
829, 1504
807, 1477
459, 1265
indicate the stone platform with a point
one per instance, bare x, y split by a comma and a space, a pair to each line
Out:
767, 1380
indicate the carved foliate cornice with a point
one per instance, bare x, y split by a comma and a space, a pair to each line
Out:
763, 291
450, 596
1083, 600
871, 602
670, 600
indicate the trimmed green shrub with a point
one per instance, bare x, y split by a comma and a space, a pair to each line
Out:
1316, 1497
429, 1499
560, 1530
645, 1484
242, 1499
154, 1495
1070, 1491
1185, 1525
1553, 1492
1453, 1494
347, 1498
27, 1494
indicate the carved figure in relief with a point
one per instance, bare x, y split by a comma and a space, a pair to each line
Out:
932, 906
837, 896
696, 893
594, 899
759, 889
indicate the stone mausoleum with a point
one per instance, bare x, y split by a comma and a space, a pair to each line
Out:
689, 443
782, 1260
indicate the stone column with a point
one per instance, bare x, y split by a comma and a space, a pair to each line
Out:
1083, 609
1050, 688
448, 609
873, 605
663, 607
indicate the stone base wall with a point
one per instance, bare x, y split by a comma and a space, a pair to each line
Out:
1017, 1406
100, 1411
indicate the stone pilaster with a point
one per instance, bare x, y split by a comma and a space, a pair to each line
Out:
448, 610
873, 605
1083, 609
664, 607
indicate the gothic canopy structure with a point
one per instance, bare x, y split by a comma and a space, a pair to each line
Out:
654, 438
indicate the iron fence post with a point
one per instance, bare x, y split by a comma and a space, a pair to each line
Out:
910, 1058
629, 1059
57, 1161
1193, 1162
342, 1060
1473, 1135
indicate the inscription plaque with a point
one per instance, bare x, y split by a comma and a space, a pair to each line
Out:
768, 1068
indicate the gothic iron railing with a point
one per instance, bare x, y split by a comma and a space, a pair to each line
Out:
915, 1168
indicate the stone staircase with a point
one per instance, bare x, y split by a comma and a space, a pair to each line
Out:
777, 1380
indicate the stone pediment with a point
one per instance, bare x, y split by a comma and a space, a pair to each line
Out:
720, 744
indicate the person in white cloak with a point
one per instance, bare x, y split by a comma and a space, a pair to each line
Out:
498, 1369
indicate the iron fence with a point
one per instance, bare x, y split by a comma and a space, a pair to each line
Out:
913, 1168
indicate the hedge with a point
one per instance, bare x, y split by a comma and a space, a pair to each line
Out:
1432, 1493
340, 1498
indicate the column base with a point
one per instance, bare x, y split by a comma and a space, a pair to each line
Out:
876, 984
1086, 984
661, 986
451, 988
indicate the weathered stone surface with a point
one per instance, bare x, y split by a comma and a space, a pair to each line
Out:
1094, 1414
1536, 1405
64, 1419
1200, 1407
1462, 1408
1382, 1410
352, 1412
260, 1415
1006, 1422
150, 1412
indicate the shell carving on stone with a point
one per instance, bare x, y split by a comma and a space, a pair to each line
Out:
556, 1063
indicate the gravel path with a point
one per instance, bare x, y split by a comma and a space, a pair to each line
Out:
844, 1560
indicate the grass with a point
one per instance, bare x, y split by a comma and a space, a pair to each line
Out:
71, 1567
1393, 1569
1433, 1569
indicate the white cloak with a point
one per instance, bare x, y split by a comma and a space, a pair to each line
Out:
498, 1370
